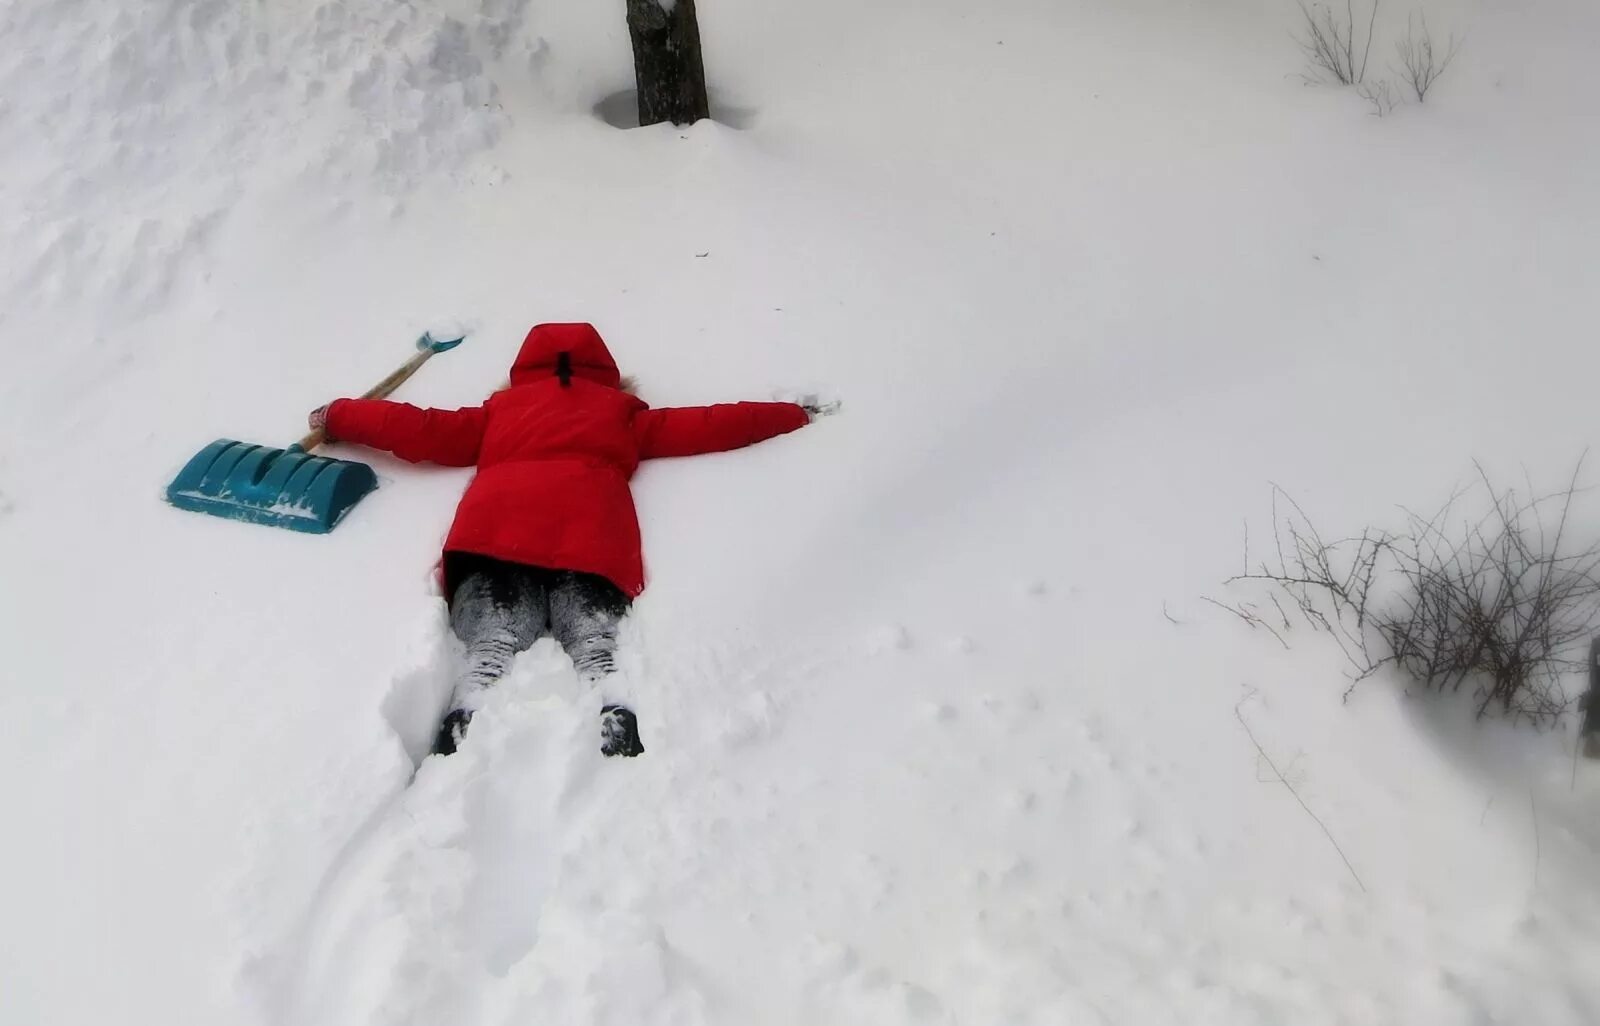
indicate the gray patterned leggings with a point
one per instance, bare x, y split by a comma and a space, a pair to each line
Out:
499, 609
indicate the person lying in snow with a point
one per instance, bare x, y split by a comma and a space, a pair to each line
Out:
546, 539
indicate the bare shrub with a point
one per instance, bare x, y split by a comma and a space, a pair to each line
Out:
1332, 43
1421, 63
1380, 95
1501, 601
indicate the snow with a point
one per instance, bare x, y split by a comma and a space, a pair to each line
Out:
925, 744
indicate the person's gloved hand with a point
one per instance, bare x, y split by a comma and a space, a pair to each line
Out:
820, 408
816, 406
317, 419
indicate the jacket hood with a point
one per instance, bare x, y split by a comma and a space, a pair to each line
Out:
586, 355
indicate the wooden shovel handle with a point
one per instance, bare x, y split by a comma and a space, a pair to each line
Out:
379, 391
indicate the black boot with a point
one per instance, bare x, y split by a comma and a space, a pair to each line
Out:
451, 731
619, 732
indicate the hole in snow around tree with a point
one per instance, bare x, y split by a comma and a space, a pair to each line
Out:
621, 110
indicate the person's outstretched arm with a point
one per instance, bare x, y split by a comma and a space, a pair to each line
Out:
691, 430
450, 437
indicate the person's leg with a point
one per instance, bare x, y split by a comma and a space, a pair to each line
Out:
585, 611
498, 609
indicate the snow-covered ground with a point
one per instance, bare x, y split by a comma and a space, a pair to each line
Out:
939, 728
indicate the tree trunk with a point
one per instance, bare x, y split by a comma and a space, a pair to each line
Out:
666, 62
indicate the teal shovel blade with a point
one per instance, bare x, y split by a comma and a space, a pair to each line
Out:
286, 488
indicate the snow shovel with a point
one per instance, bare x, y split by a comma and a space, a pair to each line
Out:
286, 487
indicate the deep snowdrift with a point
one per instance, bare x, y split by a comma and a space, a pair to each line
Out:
925, 742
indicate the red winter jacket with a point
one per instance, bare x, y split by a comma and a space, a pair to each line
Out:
554, 453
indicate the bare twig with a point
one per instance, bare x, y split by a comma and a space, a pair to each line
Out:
1238, 712
1367, 50
1248, 616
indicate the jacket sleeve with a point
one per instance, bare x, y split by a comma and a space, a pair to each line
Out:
691, 430
450, 437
